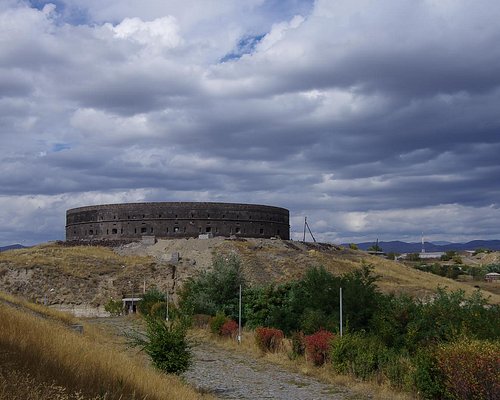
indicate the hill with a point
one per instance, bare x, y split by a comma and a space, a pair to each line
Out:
403, 247
12, 247
82, 279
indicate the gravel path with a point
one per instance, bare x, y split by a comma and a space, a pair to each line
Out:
231, 375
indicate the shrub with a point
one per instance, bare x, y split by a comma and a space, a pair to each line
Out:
201, 321
318, 346
229, 329
217, 322
427, 377
359, 355
165, 344
114, 307
149, 299
268, 339
470, 369
298, 343
399, 370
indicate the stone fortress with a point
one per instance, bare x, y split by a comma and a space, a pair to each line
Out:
132, 221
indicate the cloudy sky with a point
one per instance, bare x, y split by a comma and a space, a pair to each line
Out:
372, 118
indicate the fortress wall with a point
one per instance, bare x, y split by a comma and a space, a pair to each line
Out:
175, 219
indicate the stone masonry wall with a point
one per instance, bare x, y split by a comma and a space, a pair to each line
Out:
174, 220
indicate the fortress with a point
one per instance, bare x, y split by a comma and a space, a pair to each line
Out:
132, 221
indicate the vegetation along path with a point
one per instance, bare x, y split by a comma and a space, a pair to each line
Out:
231, 375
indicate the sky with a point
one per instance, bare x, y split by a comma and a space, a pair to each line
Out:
375, 119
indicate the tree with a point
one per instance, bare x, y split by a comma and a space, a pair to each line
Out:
375, 247
216, 290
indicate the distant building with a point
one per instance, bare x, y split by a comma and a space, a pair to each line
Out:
492, 276
423, 255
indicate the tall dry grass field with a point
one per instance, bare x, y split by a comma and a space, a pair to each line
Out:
49, 352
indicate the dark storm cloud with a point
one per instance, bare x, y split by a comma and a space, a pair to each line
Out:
371, 118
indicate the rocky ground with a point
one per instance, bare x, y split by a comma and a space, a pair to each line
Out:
232, 375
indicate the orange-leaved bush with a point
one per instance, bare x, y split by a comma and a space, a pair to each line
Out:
229, 329
268, 339
471, 369
318, 346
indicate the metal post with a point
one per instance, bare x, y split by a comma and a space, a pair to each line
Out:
340, 312
305, 224
132, 298
239, 320
167, 305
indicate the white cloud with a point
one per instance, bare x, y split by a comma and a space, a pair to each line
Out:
161, 32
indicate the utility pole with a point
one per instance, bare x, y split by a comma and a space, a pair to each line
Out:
340, 312
306, 225
239, 320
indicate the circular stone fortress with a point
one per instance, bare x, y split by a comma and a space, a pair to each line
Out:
132, 221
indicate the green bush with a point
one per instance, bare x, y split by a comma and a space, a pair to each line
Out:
150, 298
298, 343
165, 343
359, 355
398, 369
427, 378
217, 322
114, 307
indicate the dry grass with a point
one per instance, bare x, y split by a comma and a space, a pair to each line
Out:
39, 309
360, 389
268, 261
51, 353
76, 261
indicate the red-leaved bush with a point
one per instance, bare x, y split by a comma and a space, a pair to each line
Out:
471, 369
268, 339
229, 329
318, 346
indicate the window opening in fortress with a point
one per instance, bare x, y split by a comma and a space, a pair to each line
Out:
208, 229
135, 230
176, 229
143, 229
151, 230
91, 232
114, 231
238, 230
107, 231
261, 231
121, 230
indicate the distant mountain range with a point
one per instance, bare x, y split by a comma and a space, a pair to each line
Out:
403, 247
12, 247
